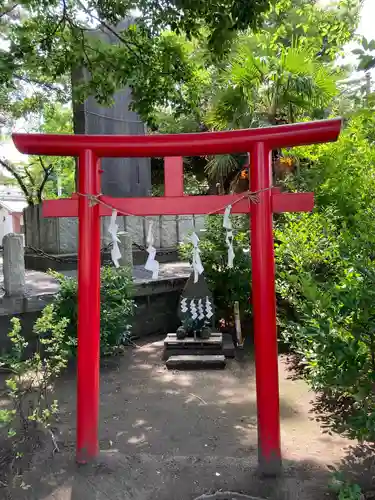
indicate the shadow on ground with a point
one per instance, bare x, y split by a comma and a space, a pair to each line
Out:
149, 477
176, 435
358, 466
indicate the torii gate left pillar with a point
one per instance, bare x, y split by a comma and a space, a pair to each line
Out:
259, 142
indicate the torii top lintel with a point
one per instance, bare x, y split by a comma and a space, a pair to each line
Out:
206, 143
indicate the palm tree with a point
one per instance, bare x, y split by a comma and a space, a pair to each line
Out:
281, 85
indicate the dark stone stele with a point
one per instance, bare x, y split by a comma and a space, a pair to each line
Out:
122, 177
199, 297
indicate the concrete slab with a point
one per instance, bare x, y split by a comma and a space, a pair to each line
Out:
40, 287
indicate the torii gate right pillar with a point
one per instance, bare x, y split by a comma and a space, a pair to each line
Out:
264, 312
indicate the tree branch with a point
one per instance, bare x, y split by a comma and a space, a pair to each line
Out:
29, 176
47, 172
12, 170
45, 85
43, 164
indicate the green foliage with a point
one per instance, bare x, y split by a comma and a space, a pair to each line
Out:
366, 59
345, 490
227, 285
192, 186
326, 279
57, 119
29, 389
117, 309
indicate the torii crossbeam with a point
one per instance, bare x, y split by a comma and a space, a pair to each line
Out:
259, 142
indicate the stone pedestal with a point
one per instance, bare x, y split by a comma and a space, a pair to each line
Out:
13, 265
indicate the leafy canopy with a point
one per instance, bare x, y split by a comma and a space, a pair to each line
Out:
42, 42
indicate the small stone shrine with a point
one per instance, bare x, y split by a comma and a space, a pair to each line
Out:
195, 343
196, 310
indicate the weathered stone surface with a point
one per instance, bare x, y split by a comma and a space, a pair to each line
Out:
49, 234
126, 249
185, 226
172, 340
168, 231
187, 223
229, 350
227, 495
68, 235
199, 222
32, 226
14, 265
135, 226
155, 229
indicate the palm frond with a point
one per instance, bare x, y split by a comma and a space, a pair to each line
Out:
220, 166
248, 71
228, 105
296, 61
326, 82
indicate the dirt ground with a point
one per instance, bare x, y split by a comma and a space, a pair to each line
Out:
177, 435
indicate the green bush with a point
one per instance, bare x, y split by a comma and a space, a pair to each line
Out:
332, 331
227, 285
326, 280
29, 405
117, 307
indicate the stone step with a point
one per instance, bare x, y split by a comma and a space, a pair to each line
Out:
185, 362
229, 350
186, 350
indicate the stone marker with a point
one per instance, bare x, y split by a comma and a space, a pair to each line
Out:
14, 264
126, 249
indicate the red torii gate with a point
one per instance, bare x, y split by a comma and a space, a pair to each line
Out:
259, 142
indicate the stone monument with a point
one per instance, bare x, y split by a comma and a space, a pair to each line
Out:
122, 177
13, 264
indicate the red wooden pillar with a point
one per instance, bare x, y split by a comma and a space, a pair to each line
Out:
88, 309
264, 311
